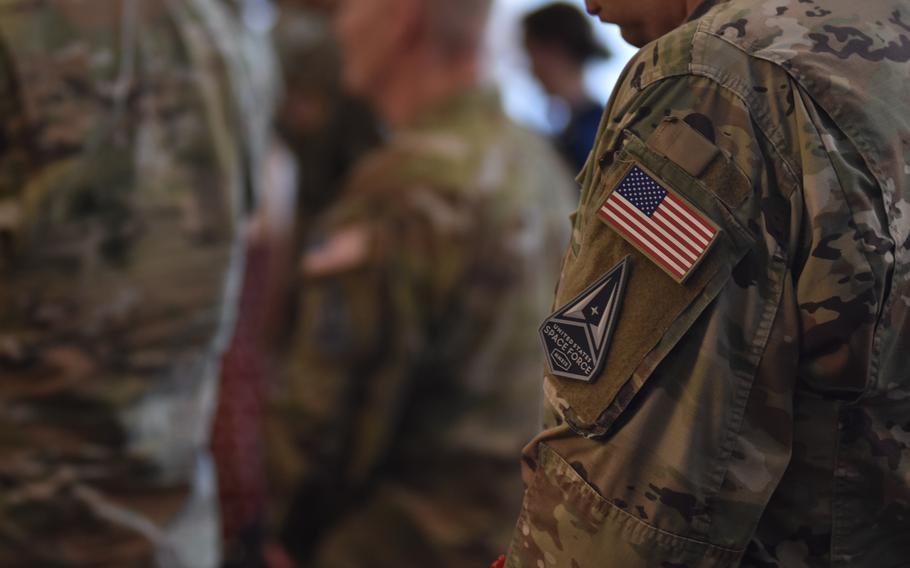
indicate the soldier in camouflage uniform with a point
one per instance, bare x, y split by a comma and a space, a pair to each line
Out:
394, 433
127, 145
747, 401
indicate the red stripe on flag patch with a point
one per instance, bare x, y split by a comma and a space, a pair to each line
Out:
663, 226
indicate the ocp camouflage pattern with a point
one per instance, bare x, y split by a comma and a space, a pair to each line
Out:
394, 433
126, 150
759, 414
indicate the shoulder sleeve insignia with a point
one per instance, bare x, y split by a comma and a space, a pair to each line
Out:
661, 224
575, 339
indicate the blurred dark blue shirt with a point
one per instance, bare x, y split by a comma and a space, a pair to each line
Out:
576, 141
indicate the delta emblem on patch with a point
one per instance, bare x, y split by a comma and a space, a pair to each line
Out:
662, 225
576, 338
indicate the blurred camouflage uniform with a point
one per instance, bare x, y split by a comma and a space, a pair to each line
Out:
326, 130
407, 394
759, 413
126, 148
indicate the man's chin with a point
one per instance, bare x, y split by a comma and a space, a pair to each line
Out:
634, 36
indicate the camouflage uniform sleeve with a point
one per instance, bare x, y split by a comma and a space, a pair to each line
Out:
120, 177
671, 448
371, 283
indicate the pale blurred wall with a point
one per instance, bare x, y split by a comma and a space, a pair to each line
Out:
522, 97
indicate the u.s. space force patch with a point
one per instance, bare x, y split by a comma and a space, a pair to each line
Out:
576, 338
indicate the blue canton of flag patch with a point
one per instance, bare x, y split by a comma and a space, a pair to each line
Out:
642, 191
662, 225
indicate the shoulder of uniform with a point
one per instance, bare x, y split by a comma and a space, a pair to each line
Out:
414, 181
411, 160
707, 47
696, 67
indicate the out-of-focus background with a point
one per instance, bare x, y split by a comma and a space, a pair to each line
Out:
523, 97
506, 65
357, 208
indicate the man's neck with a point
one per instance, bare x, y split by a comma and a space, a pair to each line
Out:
419, 84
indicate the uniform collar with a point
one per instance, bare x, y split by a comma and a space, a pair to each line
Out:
458, 106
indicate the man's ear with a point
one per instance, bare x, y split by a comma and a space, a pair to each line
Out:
408, 21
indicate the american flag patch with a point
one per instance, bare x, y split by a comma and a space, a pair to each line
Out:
659, 223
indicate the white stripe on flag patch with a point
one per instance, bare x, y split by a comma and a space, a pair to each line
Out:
674, 238
620, 208
629, 230
665, 228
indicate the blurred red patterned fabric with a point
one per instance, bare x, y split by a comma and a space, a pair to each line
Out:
236, 436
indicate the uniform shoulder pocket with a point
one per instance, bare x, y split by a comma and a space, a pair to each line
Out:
660, 243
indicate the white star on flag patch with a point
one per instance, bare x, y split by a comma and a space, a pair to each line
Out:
659, 223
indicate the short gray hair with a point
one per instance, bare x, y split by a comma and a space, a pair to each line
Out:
458, 24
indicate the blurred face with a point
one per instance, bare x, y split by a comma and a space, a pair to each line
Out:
549, 65
640, 21
543, 65
368, 35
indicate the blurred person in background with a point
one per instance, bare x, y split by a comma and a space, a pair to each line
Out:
326, 131
393, 433
132, 135
321, 132
560, 43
